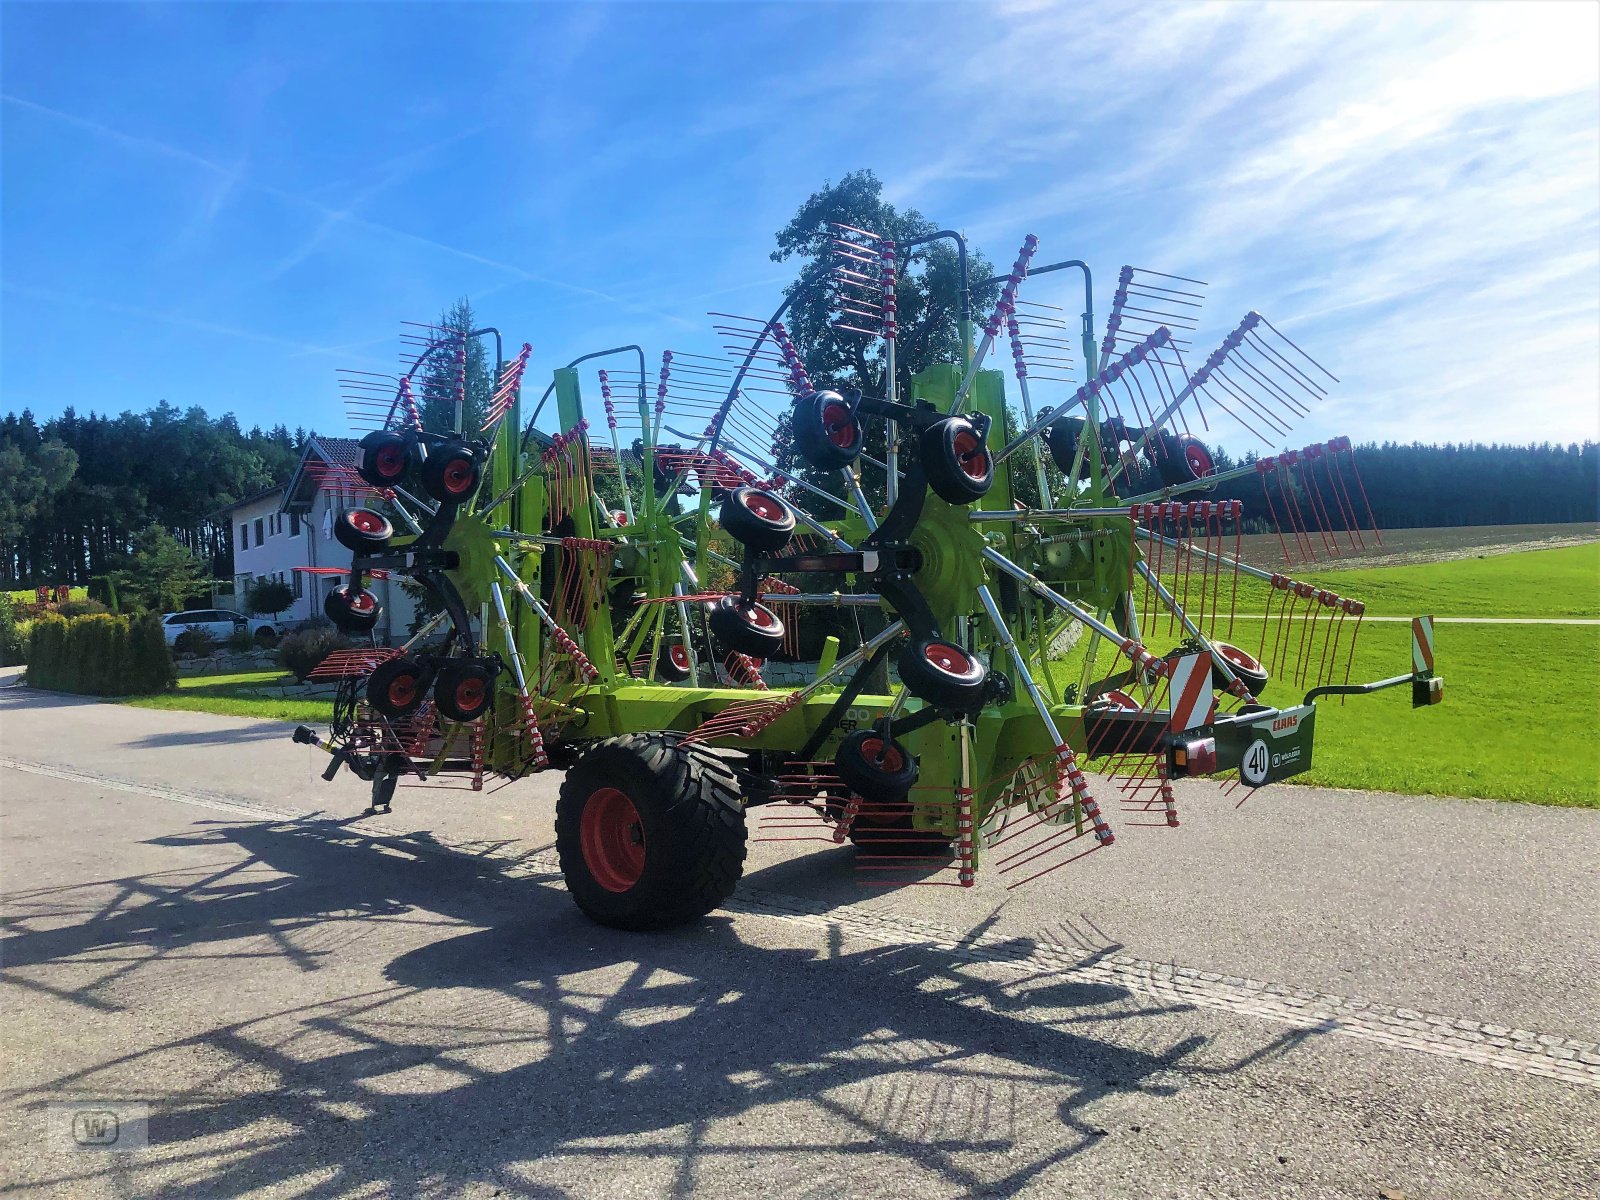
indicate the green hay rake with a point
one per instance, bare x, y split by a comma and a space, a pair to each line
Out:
612, 606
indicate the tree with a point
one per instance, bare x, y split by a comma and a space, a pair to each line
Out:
927, 288
29, 479
927, 301
440, 375
163, 573
269, 596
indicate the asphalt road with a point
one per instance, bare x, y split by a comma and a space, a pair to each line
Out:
1318, 994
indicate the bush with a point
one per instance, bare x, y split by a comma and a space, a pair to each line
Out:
99, 655
82, 608
241, 641
150, 658
47, 646
195, 643
301, 652
11, 633
269, 598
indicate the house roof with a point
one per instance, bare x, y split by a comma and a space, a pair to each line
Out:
238, 504
334, 451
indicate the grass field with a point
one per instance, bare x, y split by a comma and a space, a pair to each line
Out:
1523, 583
252, 694
1518, 721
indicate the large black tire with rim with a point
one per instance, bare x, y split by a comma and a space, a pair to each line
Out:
873, 767
450, 473
363, 530
397, 687
354, 610
383, 457
1246, 668
650, 832
757, 519
463, 690
1179, 458
752, 629
943, 674
827, 433
956, 460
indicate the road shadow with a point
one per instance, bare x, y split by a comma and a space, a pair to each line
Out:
513, 1030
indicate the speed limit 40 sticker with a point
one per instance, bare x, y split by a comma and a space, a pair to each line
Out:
1256, 763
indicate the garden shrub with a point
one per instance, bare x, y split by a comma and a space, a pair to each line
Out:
302, 651
99, 655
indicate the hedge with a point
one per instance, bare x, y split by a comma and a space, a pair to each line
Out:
100, 655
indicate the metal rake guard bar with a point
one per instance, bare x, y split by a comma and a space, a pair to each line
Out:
634, 612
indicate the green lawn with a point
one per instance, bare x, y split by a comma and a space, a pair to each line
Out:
1528, 583
251, 694
1518, 721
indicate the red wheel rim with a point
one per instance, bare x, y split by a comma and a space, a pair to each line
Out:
402, 690
679, 657
1120, 699
974, 463
457, 476
760, 616
950, 659
839, 425
390, 460
365, 520
768, 508
1199, 459
1237, 657
881, 756
358, 602
612, 837
469, 694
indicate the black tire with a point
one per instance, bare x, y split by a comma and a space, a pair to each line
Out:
1244, 665
944, 675
873, 768
450, 473
362, 530
397, 688
755, 630
1198, 458
1062, 437
956, 460
684, 844
383, 458
672, 663
1179, 458
463, 691
354, 611
757, 519
267, 636
827, 431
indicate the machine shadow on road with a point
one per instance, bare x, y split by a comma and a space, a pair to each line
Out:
510, 1029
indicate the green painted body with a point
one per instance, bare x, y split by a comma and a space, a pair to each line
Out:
1094, 572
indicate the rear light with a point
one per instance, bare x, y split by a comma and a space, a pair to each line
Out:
1197, 757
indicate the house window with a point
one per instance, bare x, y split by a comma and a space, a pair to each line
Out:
294, 524
244, 536
260, 533
299, 589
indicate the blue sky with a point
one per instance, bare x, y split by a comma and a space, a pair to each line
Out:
219, 204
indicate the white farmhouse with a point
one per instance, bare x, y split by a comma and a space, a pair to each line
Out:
291, 526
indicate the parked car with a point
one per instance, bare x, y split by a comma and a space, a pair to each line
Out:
219, 623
